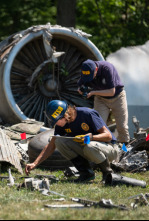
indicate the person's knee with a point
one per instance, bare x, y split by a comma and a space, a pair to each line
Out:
58, 143
87, 150
90, 151
94, 155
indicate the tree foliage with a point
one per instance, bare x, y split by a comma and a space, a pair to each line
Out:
17, 15
112, 23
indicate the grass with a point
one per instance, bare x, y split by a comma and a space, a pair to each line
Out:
29, 205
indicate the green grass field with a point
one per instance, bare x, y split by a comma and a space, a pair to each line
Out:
29, 205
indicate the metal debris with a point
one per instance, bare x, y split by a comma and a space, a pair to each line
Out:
77, 206
31, 127
11, 179
34, 184
140, 200
135, 161
103, 203
8, 152
71, 171
41, 185
116, 179
24, 153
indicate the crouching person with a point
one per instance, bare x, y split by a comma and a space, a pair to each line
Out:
79, 122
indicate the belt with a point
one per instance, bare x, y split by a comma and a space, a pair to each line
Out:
109, 98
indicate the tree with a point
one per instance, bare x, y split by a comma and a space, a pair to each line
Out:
17, 15
114, 23
66, 13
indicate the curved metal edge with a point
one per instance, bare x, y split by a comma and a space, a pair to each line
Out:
86, 42
7, 70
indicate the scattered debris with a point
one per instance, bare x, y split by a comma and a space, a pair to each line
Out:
136, 158
29, 127
20, 135
133, 162
140, 199
42, 185
81, 203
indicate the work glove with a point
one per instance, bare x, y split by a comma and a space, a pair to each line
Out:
83, 139
79, 139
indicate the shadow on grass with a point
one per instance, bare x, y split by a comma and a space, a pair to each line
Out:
72, 181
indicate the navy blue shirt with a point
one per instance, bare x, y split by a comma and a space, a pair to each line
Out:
107, 78
87, 121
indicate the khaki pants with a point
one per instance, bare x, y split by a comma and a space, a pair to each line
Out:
119, 109
96, 152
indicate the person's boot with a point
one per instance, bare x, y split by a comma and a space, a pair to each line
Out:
84, 168
105, 169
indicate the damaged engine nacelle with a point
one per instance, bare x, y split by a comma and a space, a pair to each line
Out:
40, 64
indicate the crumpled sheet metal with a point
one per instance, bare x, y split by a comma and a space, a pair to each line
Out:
7, 45
134, 161
8, 152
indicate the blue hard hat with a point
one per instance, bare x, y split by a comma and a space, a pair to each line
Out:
87, 70
56, 110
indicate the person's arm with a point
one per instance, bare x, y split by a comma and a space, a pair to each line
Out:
103, 135
106, 93
46, 152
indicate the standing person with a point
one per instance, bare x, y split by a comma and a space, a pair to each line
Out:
109, 94
78, 122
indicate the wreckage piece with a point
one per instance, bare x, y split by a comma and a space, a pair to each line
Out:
31, 127
133, 162
139, 143
11, 179
42, 185
8, 152
25, 157
35, 184
103, 203
116, 179
107, 204
140, 199
71, 171
64, 206
40, 64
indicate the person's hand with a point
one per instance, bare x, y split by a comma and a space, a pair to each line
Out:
29, 167
90, 95
80, 92
79, 139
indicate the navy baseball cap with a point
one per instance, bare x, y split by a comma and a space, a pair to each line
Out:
87, 70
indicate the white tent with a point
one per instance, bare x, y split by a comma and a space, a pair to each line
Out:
132, 64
